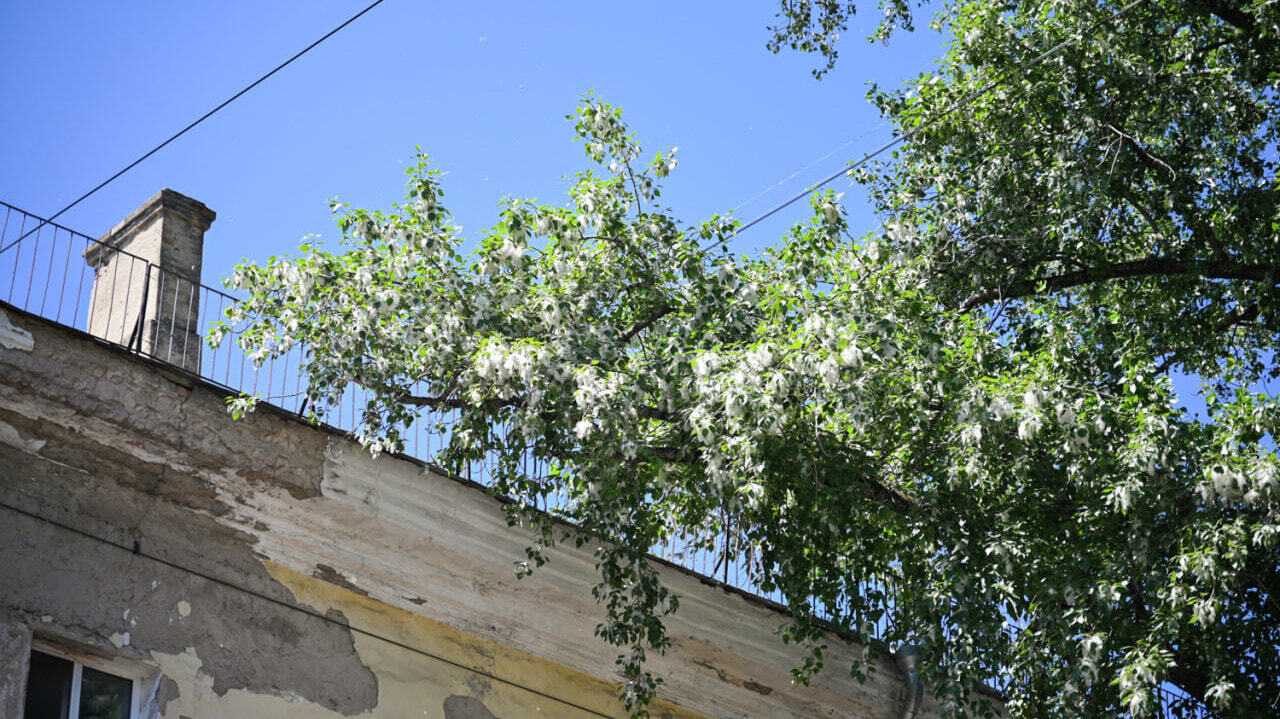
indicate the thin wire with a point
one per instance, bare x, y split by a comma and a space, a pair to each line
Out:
202, 118
135, 550
935, 119
808, 167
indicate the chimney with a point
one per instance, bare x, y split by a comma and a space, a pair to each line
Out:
146, 286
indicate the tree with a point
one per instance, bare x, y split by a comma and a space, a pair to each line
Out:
968, 415
1122, 194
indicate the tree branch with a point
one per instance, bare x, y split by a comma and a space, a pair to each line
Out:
1148, 267
1235, 17
871, 488
448, 402
645, 323
828, 444
1145, 156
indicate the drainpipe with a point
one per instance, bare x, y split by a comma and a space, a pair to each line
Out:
908, 656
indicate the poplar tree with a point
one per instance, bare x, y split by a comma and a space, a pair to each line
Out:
965, 418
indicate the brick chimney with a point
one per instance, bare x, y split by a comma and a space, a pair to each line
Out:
146, 287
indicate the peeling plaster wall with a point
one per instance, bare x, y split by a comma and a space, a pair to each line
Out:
15, 648
409, 602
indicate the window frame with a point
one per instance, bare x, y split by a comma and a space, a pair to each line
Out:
118, 667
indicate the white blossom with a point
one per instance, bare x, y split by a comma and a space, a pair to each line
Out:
851, 355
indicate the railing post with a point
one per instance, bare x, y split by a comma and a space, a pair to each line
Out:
163, 242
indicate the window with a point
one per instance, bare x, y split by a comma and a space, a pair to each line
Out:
64, 686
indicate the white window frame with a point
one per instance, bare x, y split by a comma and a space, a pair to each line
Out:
122, 668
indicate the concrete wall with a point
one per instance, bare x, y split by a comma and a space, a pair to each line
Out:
265, 568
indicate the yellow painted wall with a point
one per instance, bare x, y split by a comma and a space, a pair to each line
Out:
507, 682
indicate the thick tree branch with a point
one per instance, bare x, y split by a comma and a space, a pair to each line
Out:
1148, 267
1237, 18
645, 323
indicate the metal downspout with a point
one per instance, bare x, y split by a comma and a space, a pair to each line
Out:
908, 656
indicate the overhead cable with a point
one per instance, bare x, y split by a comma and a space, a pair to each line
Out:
199, 120
807, 167
968, 99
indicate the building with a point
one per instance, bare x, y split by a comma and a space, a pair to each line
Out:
160, 560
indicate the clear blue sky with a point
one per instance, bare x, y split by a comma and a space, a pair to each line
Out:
481, 86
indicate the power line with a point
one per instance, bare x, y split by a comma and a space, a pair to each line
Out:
807, 167
936, 118
137, 551
201, 119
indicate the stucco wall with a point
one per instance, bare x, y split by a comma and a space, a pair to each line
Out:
266, 568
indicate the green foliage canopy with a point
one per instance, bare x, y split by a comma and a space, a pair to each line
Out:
972, 405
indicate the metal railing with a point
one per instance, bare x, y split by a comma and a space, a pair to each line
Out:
78, 281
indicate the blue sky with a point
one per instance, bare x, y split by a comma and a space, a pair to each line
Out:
483, 87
